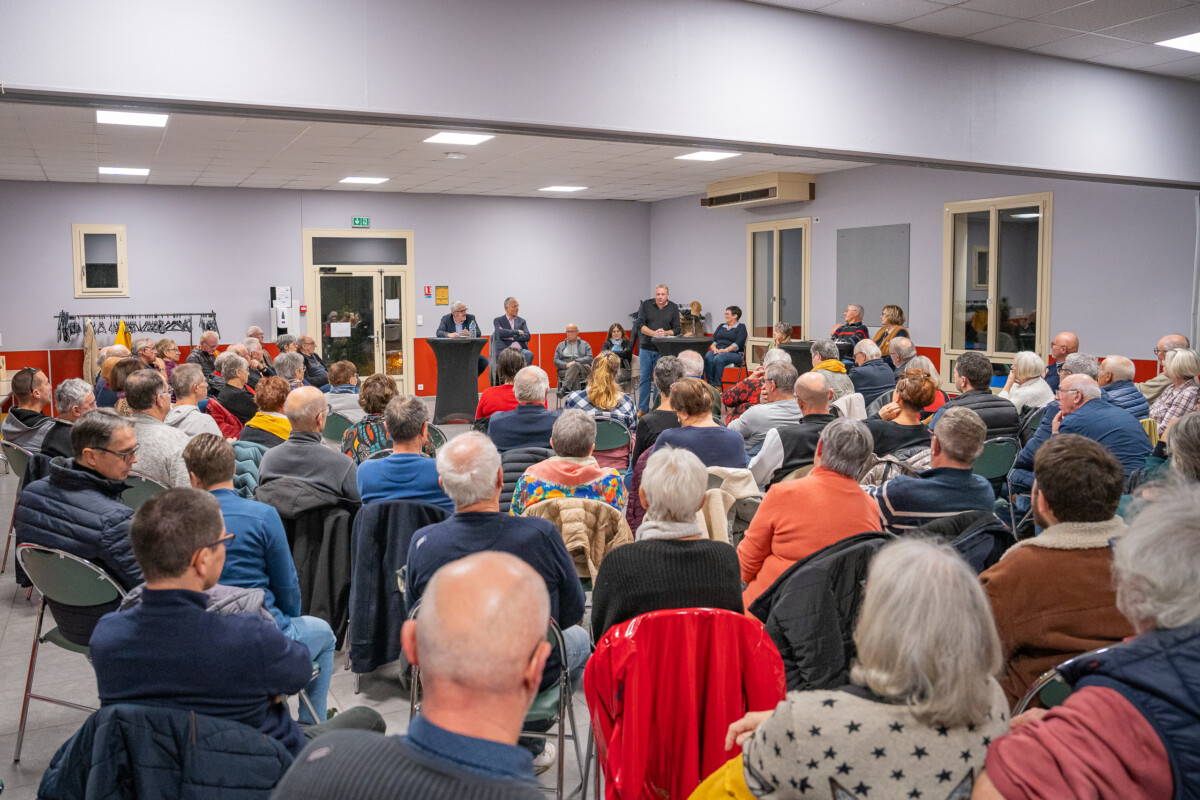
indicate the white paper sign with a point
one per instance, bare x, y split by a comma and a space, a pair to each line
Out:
391, 308
283, 297
339, 330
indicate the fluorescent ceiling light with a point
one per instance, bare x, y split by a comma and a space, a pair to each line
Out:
1190, 42
131, 118
562, 188
124, 171
445, 137
1025, 216
706, 155
354, 179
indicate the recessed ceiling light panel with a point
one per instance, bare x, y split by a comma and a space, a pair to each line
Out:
562, 188
131, 118
124, 171
447, 137
356, 179
1190, 42
706, 155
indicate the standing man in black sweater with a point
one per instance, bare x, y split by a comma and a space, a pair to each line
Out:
656, 317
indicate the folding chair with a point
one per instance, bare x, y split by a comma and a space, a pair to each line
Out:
436, 436
139, 490
303, 695
66, 579
335, 426
17, 459
741, 375
995, 462
379, 454
612, 435
1050, 689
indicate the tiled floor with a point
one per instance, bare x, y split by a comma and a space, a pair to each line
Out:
69, 676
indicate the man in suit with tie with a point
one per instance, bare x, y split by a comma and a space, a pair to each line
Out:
459, 324
512, 331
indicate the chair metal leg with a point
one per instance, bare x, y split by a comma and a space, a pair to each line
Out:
37, 633
308, 704
8, 540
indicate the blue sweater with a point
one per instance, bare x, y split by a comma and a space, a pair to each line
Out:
527, 425
402, 476
716, 447
258, 556
1100, 421
873, 378
724, 336
168, 651
906, 503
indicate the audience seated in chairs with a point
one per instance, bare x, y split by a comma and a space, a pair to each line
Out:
673, 564
269, 426
949, 487
748, 391
1181, 366
1052, 594
234, 396
872, 374
728, 348
1025, 386
303, 457
190, 388
78, 509
120, 374
1154, 387
25, 425
790, 447
204, 355
343, 391
693, 367
290, 366
368, 435
74, 398
828, 361
901, 351
315, 371
257, 556
834, 507
621, 344
921, 706
406, 474
1174, 462
260, 366
781, 333
530, 423
501, 398
106, 396
924, 364
480, 641
1062, 346
469, 468
160, 446
573, 360
973, 377
1128, 728
603, 398
667, 370
1116, 379
852, 330
169, 651
899, 425
777, 409
716, 446
572, 471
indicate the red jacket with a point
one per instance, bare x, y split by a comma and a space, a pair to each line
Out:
230, 425
663, 689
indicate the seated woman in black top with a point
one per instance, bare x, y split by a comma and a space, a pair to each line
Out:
672, 564
899, 426
620, 344
728, 348
234, 395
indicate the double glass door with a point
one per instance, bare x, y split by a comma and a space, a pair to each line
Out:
778, 256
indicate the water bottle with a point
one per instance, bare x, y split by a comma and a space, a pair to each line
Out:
474, 330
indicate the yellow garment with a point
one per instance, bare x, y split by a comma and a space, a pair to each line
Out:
833, 365
276, 425
123, 336
727, 783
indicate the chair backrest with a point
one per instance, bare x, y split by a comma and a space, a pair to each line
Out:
18, 460
997, 458
1150, 426
482, 424
336, 425
611, 434
1030, 424
379, 454
437, 436
1051, 689
138, 490
66, 578
878, 403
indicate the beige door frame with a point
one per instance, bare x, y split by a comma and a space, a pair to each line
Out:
803, 223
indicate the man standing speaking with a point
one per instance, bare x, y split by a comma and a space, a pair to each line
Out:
656, 318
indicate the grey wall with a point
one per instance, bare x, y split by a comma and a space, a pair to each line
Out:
196, 249
695, 69
1122, 256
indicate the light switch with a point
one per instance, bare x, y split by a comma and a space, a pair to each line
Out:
420, 319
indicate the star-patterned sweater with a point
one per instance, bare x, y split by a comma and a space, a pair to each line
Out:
851, 743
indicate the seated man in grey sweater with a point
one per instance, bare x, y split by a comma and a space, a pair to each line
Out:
303, 456
778, 407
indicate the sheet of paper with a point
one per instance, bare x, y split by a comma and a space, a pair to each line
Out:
391, 308
339, 330
283, 297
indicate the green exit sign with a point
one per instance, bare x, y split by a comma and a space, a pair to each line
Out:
361, 222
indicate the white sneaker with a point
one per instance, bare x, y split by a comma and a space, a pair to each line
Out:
544, 761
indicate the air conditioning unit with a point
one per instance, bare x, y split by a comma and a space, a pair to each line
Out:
766, 189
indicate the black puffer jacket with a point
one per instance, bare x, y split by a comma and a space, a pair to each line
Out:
810, 611
514, 463
998, 414
979, 536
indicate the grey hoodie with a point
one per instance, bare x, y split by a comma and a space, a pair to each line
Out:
27, 434
192, 421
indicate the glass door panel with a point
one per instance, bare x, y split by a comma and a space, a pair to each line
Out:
1018, 246
348, 332
763, 285
393, 327
791, 280
971, 278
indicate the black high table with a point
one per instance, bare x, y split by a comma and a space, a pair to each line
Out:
457, 377
801, 353
674, 345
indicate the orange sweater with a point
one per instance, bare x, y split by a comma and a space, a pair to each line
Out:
798, 518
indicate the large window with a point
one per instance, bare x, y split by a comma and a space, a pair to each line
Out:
996, 284
777, 280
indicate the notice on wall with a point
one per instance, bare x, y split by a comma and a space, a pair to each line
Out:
443, 296
282, 297
391, 308
339, 330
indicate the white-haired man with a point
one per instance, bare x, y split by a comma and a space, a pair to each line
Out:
470, 473
1158, 384
458, 324
303, 456
1116, 378
748, 391
852, 329
573, 359
512, 330
256, 333
74, 398
901, 352
872, 374
530, 423
778, 407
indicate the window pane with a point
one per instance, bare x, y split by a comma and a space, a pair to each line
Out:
359, 251
1016, 278
393, 326
763, 284
101, 276
348, 327
100, 260
791, 279
969, 319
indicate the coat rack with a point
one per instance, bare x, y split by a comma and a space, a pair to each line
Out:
71, 325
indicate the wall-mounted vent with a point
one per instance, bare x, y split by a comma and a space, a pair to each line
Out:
766, 189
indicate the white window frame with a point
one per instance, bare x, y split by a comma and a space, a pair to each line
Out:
82, 290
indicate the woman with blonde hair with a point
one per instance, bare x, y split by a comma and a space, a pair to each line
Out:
1026, 387
892, 325
921, 707
603, 398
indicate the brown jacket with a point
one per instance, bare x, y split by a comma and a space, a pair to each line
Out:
1053, 599
590, 529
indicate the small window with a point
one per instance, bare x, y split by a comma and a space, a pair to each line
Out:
100, 266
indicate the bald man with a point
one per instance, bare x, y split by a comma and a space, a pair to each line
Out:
1061, 346
1154, 387
479, 641
789, 447
304, 457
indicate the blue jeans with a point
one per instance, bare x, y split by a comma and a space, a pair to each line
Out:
715, 364
646, 361
578, 646
315, 634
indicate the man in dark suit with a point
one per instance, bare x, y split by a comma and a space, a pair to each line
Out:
459, 324
530, 423
511, 330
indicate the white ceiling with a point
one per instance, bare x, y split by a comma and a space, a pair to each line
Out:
53, 143
1118, 33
